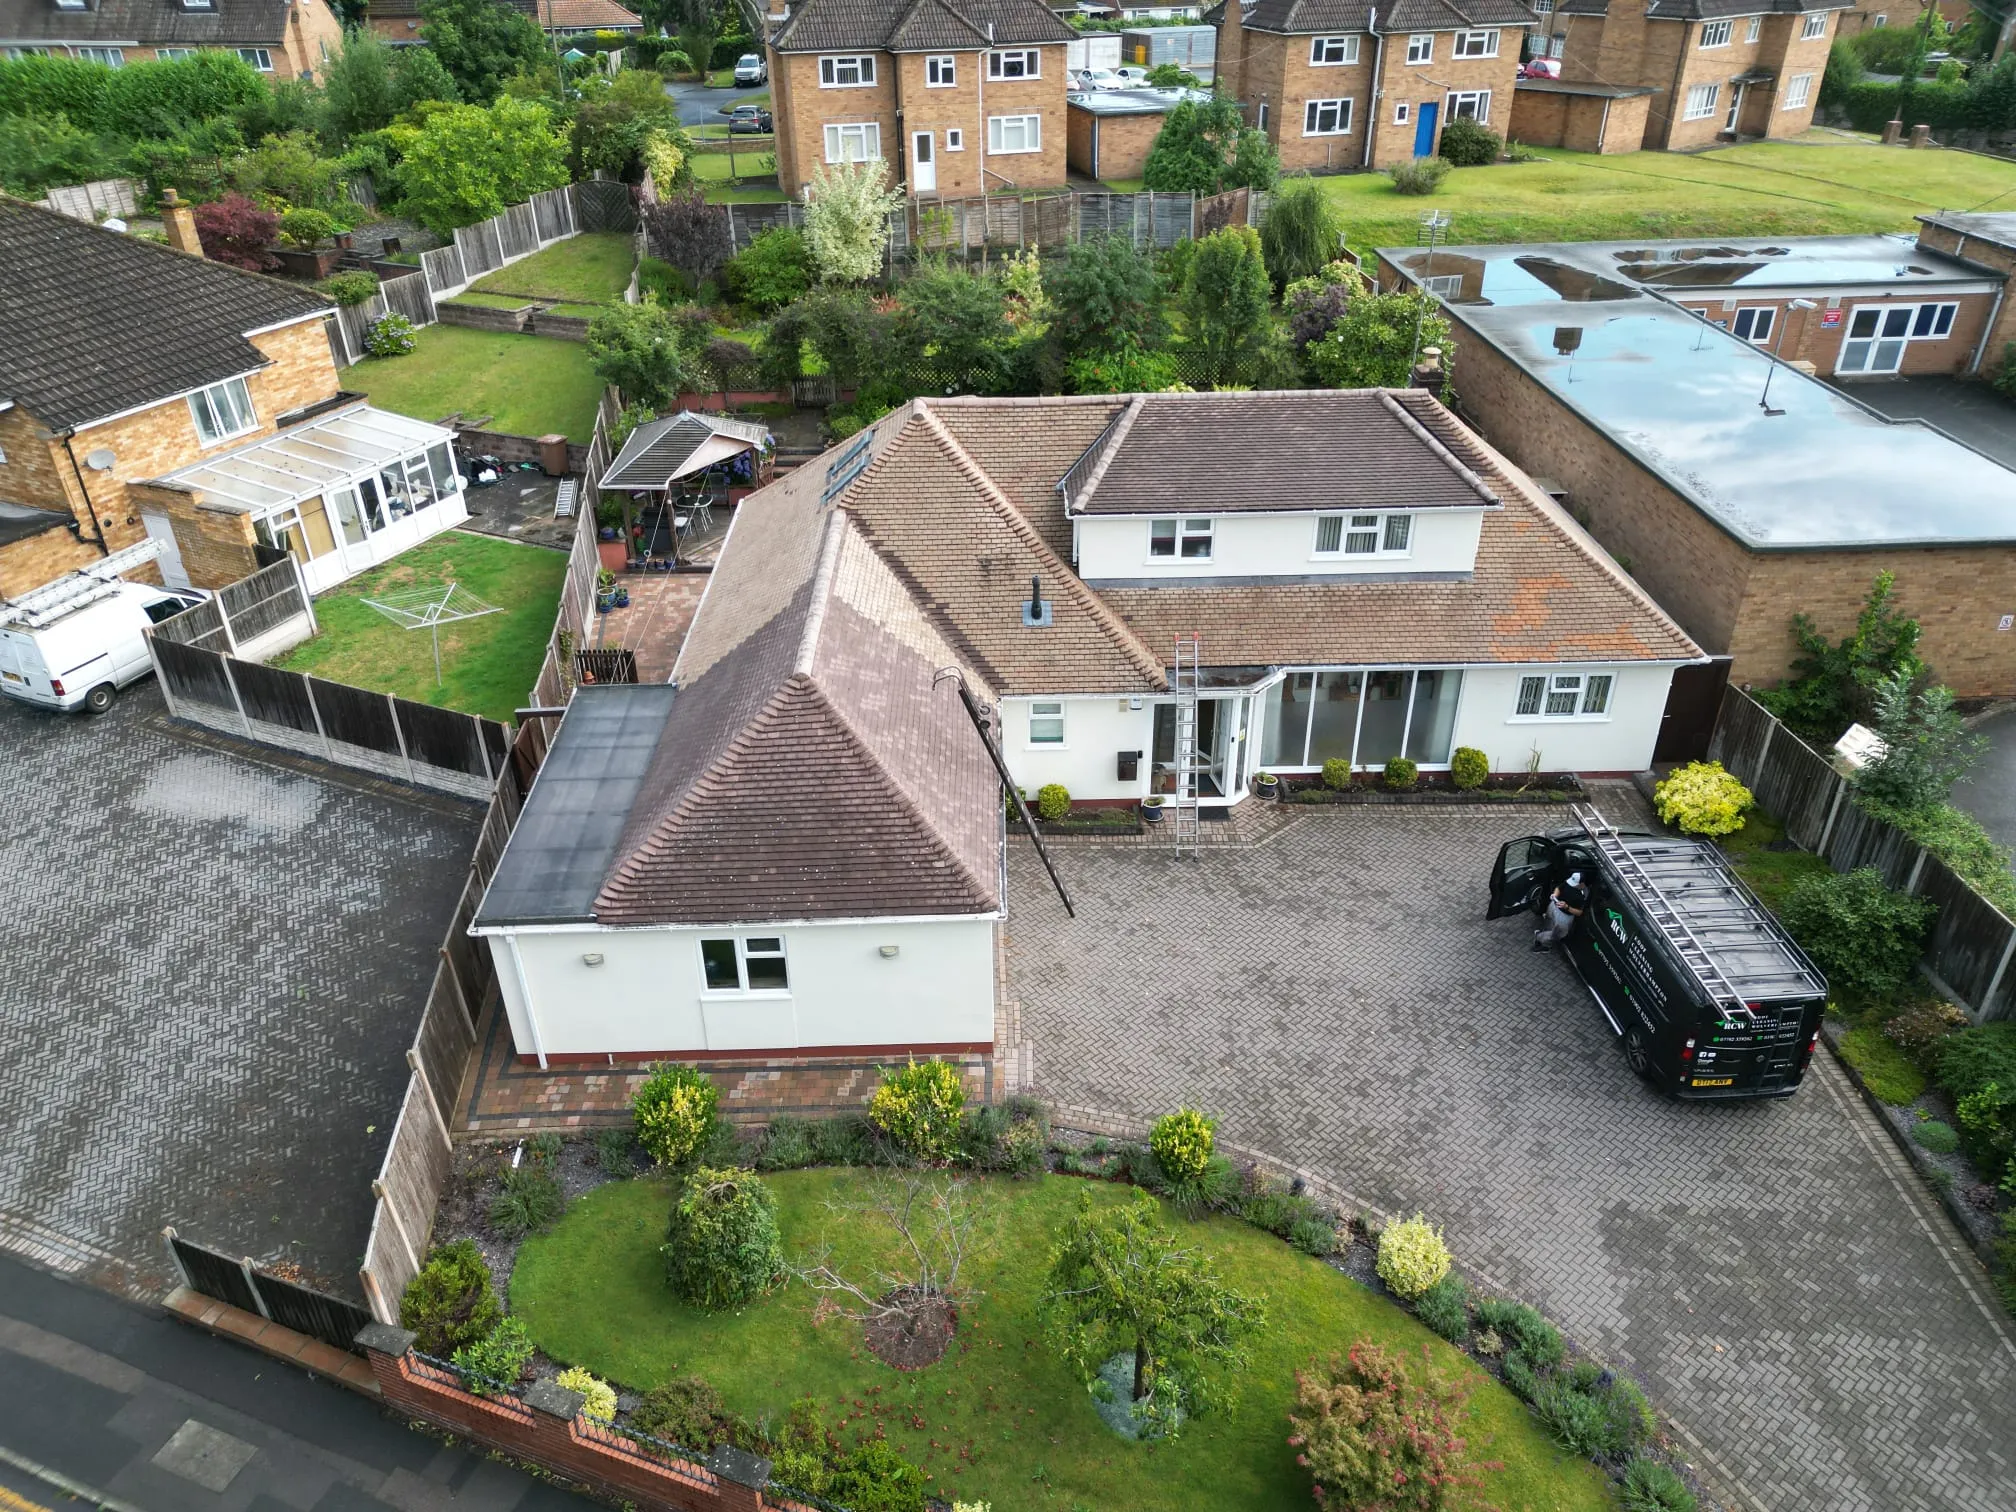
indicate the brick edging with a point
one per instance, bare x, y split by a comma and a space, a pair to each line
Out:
312, 1355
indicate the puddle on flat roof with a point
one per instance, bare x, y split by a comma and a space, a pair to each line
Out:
1577, 285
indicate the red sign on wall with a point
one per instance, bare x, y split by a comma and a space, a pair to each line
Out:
1829, 319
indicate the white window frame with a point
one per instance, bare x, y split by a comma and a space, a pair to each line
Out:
862, 67
997, 134
1352, 527
211, 408
1401, 111
1474, 44
1049, 714
1879, 20
1542, 7
1182, 531
1333, 52
1814, 27
111, 57
743, 955
1701, 101
1260, 116
1340, 112
1716, 34
170, 54
1798, 92
1590, 697
260, 58
1557, 45
1877, 338
1028, 59
1754, 30
1421, 48
955, 139
1478, 99
941, 71
1443, 285
1770, 314
869, 134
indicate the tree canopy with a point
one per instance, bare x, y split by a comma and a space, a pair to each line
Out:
1206, 147
480, 43
468, 162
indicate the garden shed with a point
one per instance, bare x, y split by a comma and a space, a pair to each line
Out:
688, 463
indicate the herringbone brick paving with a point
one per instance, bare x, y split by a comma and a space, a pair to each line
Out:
213, 960
1332, 989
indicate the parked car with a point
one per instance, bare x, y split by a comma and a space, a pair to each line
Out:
745, 120
1132, 76
1710, 995
1540, 68
78, 659
751, 69
1099, 78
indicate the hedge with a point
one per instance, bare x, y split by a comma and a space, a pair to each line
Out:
1872, 104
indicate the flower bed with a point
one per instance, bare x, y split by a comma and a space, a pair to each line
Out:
1435, 787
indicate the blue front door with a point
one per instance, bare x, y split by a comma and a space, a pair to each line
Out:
1424, 129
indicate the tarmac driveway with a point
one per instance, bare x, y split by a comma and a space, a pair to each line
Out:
1333, 991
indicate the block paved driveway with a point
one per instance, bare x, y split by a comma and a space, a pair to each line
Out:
212, 960
1334, 992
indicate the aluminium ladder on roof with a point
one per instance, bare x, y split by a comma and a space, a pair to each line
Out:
49, 603
1692, 950
1183, 812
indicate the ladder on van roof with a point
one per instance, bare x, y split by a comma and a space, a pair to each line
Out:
50, 602
1693, 952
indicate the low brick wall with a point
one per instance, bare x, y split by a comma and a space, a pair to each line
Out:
483, 317
506, 447
561, 327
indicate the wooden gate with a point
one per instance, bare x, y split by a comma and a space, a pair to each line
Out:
1692, 704
241, 1284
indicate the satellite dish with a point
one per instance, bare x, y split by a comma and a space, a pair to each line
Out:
101, 459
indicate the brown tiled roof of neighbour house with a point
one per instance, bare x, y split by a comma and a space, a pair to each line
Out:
553, 15
1297, 17
917, 25
94, 323
145, 23
1707, 10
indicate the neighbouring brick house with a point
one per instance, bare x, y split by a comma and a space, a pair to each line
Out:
398, 21
1343, 84
1737, 489
290, 39
1719, 69
955, 97
128, 367
1986, 240
1111, 130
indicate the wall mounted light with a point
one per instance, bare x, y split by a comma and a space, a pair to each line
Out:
888, 952
592, 958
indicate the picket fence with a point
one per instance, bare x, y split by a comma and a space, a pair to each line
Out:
1973, 943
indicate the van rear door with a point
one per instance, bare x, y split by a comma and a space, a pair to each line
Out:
21, 670
1519, 879
1748, 1056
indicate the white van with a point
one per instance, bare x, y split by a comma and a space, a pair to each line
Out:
73, 644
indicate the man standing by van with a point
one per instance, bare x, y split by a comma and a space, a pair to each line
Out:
1564, 907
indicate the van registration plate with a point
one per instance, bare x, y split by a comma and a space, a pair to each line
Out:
1714, 1081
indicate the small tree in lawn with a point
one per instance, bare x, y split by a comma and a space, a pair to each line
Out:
1113, 296
1301, 232
1372, 1435
1374, 345
1225, 302
1119, 1282
847, 220
689, 233
648, 352
234, 230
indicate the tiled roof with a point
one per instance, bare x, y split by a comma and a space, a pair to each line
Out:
147, 23
917, 25
581, 15
96, 323
1707, 10
1297, 17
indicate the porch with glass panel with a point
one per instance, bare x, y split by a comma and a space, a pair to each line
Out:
1365, 717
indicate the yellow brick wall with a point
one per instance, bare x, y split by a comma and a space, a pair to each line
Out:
215, 543
1433, 82
938, 110
314, 34
1123, 143
804, 110
27, 564
36, 471
1939, 239
1805, 336
1540, 118
1042, 96
1578, 123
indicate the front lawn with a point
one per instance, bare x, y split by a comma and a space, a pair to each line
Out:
592, 268
999, 1419
487, 664
527, 385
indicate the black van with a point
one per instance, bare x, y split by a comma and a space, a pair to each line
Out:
1709, 994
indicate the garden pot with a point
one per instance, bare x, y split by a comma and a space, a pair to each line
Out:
1267, 787
608, 532
1151, 811
622, 598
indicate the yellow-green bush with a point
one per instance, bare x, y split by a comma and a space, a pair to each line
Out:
1183, 1142
598, 1403
1053, 801
918, 1106
675, 1114
1468, 768
1412, 1257
1703, 799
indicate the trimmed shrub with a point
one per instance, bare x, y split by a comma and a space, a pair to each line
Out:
390, 335
350, 287
1987, 1120
1703, 799
721, 1247
598, 1403
846, 1140
685, 1410
675, 1115
875, 1478
1422, 176
1053, 801
1313, 1236
1529, 1340
773, 270
1470, 144
1010, 1139
1468, 768
1279, 1212
616, 1151
492, 1364
1593, 1413
918, 1107
451, 1302
1652, 1487
1444, 1308
1937, 1137
527, 1201
1412, 1257
233, 230
1973, 1058
1400, 774
1372, 1433
787, 1144
1864, 936
1337, 774
1183, 1142
306, 227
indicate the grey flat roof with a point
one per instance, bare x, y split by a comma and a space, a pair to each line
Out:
1681, 396
1598, 91
20, 521
559, 855
1997, 226
1118, 102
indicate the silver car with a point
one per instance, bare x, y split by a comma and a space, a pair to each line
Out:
751, 69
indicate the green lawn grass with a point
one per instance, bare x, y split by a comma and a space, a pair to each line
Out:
1002, 1419
487, 664
591, 268
528, 385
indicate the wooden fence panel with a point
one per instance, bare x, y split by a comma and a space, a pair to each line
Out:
96, 200
443, 267
1970, 946
1861, 840
409, 296
408, 1190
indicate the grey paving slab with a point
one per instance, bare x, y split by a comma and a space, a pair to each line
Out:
1331, 988
212, 960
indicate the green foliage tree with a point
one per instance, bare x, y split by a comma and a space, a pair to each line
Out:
1844, 72
1224, 302
1926, 747
42, 83
721, 1247
773, 270
1372, 1434
1113, 294
1377, 340
958, 322
1834, 685
854, 337
41, 150
1469, 144
357, 84
418, 75
154, 99
1315, 304
1301, 234
468, 162
847, 210
1171, 76
1119, 1281
1865, 937
290, 167
480, 43
1206, 147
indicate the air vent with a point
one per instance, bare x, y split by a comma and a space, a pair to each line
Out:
1036, 609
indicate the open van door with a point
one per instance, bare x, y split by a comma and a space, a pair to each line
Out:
1519, 879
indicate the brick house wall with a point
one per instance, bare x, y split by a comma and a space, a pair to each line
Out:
1042, 96
215, 539
1806, 337
1111, 147
1578, 123
1416, 84
940, 109
803, 111
1989, 255
27, 564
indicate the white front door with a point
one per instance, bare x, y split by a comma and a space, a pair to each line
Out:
1735, 107
1876, 338
923, 164
159, 528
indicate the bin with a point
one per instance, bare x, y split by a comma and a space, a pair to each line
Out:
553, 455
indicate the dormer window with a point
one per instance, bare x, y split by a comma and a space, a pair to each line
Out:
1367, 535
1183, 539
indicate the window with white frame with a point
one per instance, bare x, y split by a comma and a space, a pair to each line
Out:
1701, 102
222, 411
24, 52
854, 72
1557, 44
1878, 21
744, 963
1046, 722
1542, 7
170, 54
259, 57
1328, 52
1368, 535
1476, 44
1016, 133
1814, 27
1754, 323
1400, 113
853, 142
111, 57
1470, 105
942, 72
1798, 90
1260, 116
1022, 63
1184, 539
1421, 48
1755, 28
1326, 118
1444, 285
1717, 33
70, 4
955, 139
1565, 695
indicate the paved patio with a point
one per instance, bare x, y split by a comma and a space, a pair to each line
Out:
213, 962
1772, 1271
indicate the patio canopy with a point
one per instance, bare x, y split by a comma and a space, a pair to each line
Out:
660, 452
308, 460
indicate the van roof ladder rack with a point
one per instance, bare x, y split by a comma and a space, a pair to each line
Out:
49, 603
1728, 1001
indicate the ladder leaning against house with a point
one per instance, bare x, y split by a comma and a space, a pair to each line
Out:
1183, 683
